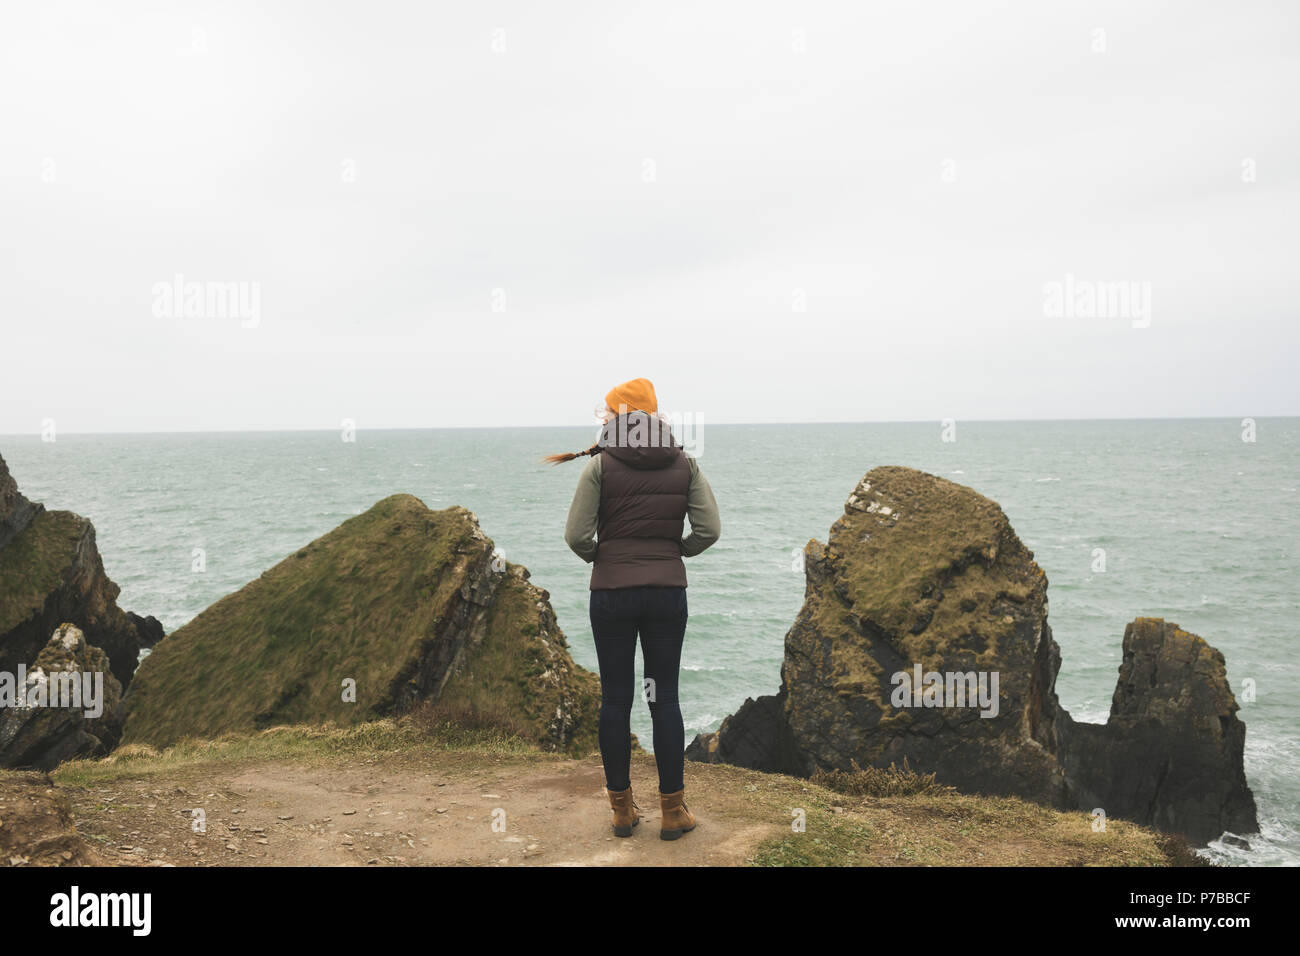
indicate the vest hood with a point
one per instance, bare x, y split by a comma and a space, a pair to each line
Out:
639, 440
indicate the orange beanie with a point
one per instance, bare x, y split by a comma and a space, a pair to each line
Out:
636, 395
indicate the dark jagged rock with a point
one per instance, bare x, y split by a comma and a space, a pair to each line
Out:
16, 512
42, 732
407, 606
51, 573
755, 736
1171, 752
922, 571
149, 628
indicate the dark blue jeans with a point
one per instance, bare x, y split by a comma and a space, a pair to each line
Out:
658, 615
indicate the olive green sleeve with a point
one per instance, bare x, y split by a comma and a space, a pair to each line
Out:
580, 529
702, 511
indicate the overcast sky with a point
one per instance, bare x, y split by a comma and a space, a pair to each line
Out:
490, 213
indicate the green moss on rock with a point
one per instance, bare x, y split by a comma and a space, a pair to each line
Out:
401, 600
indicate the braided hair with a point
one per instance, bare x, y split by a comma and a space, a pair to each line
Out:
571, 455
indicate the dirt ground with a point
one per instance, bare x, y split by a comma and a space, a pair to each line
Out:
556, 814
374, 796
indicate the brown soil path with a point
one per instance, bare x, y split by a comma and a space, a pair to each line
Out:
552, 814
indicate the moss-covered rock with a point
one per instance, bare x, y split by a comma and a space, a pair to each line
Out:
403, 604
520, 671
917, 571
66, 705
51, 573
921, 576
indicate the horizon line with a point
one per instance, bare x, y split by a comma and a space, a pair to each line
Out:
594, 424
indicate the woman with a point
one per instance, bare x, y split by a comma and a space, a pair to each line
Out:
626, 520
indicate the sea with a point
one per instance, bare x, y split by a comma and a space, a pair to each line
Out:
1192, 520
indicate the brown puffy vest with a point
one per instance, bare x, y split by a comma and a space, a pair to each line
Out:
644, 482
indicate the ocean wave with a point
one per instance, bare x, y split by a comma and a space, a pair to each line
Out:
703, 724
1274, 845
1090, 713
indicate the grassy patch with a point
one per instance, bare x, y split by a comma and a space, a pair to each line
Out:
930, 829
419, 733
837, 844
875, 782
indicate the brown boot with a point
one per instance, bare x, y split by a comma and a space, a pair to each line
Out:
674, 818
625, 811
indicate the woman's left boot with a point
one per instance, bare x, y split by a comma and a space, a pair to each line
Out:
674, 818
625, 811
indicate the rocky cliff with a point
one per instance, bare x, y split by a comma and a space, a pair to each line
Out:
16, 512
398, 606
51, 574
70, 705
924, 637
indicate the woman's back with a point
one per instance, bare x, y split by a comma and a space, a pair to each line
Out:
626, 520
